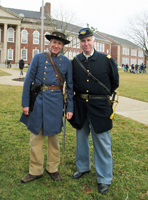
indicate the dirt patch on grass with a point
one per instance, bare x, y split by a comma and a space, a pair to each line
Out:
19, 79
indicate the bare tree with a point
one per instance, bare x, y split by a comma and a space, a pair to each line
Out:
63, 19
138, 31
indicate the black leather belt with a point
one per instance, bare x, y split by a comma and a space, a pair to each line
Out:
89, 96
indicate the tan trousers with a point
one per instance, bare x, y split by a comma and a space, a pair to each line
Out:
37, 155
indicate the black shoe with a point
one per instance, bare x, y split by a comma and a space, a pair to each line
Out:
55, 176
79, 174
30, 177
102, 188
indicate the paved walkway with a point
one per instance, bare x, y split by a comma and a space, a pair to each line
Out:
131, 108
8, 80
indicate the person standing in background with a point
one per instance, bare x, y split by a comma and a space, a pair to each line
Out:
21, 66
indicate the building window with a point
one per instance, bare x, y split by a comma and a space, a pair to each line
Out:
101, 47
133, 61
140, 61
140, 53
74, 54
10, 54
74, 43
78, 44
0, 34
24, 36
35, 37
70, 55
35, 51
47, 41
66, 54
125, 61
97, 46
125, 51
10, 35
133, 52
70, 39
24, 54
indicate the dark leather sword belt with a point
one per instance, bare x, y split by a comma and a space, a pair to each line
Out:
47, 87
89, 96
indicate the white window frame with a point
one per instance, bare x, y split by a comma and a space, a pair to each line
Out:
46, 41
22, 54
10, 35
37, 51
133, 52
66, 54
102, 47
70, 54
97, 48
78, 44
70, 39
125, 51
0, 34
36, 37
95, 45
133, 61
140, 53
74, 54
125, 60
75, 42
24, 36
140, 61
10, 54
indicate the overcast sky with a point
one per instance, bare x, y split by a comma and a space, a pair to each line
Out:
108, 16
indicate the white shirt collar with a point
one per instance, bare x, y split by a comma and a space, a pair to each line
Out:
87, 56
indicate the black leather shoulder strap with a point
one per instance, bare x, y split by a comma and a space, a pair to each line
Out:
57, 68
91, 76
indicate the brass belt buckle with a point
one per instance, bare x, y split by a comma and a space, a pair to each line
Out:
45, 88
84, 96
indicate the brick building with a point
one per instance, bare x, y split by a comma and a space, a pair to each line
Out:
124, 51
20, 36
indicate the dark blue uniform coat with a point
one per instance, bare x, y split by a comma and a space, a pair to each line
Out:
99, 110
48, 107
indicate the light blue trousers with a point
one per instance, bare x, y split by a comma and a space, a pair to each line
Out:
102, 153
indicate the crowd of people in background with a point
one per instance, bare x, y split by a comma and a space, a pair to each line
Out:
135, 68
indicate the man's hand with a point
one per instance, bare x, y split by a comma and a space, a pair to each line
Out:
26, 110
69, 115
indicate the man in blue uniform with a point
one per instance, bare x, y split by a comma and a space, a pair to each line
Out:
93, 110
46, 117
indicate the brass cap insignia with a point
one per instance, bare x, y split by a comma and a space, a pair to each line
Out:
83, 32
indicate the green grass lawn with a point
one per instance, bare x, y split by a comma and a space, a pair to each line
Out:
134, 85
2, 73
129, 146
